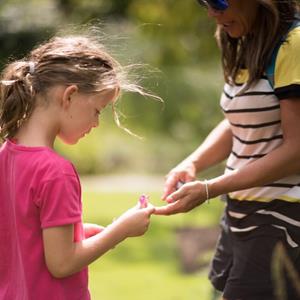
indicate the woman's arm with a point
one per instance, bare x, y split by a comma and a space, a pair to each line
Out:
215, 148
65, 257
282, 162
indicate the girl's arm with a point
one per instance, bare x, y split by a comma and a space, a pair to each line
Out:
65, 257
215, 148
91, 229
282, 162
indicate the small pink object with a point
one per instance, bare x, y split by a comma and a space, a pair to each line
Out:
143, 200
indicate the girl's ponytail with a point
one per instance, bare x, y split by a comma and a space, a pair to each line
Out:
17, 97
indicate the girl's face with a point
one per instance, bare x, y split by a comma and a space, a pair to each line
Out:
238, 19
82, 114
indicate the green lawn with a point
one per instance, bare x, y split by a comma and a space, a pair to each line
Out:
146, 267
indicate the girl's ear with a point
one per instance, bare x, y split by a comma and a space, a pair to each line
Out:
68, 93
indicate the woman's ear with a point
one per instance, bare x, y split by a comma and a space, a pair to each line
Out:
68, 93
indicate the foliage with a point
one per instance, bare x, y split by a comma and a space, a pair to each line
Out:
17, 45
178, 30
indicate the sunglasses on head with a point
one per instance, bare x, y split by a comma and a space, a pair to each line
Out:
214, 4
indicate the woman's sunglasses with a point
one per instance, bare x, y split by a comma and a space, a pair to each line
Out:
219, 5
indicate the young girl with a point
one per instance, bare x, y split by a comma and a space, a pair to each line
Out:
59, 90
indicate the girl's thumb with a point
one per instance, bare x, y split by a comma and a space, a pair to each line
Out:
150, 209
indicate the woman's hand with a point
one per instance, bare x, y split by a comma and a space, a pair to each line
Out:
184, 172
216, 147
187, 197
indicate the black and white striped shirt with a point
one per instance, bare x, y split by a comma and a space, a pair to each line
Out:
254, 116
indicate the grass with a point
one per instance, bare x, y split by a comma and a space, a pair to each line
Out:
146, 267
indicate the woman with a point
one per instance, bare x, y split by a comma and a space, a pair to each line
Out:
259, 138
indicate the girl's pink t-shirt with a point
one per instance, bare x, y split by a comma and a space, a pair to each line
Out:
38, 189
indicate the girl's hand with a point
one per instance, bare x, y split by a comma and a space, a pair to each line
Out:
184, 172
186, 198
135, 221
91, 229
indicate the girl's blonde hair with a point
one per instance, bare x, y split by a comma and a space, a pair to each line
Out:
67, 60
253, 51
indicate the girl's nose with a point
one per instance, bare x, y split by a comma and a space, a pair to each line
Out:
213, 13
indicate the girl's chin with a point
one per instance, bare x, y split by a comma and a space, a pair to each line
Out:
70, 141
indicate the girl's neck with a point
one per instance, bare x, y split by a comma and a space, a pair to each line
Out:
33, 140
39, 130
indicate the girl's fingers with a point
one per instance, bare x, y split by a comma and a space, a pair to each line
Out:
150, 209
143, 201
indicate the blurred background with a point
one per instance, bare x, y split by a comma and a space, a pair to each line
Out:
172, 41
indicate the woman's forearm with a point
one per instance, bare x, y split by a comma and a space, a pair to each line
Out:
279, 163
215, 148
282, 162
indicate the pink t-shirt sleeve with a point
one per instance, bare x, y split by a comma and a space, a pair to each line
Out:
60, 201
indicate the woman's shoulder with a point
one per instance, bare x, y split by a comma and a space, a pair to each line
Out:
292, 43
287, 67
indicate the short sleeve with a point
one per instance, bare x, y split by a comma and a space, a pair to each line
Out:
287, 67
60, 201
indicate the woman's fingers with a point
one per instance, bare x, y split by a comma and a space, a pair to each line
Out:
166, 210
170, 186
187, 197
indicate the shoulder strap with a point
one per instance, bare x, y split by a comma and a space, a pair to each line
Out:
270, 69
